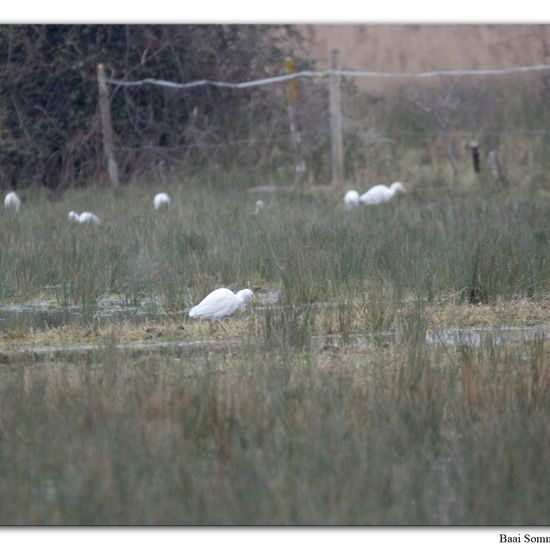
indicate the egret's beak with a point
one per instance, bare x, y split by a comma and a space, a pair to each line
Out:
404, 189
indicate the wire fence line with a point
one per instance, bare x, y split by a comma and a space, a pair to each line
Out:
329, 72
319, 113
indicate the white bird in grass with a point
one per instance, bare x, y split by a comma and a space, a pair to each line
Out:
12, 201
381, 193
73, 216
220, 303
89, 218
161, 200
85, 218
260, 205
351, 199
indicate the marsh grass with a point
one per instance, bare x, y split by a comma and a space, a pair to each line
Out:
286, 327
407, 435
305, 244
273, 431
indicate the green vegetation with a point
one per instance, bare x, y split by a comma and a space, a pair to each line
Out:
49, 119
271, 429
276, 435
478, 246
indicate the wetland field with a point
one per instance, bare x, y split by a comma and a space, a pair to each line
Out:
393, 369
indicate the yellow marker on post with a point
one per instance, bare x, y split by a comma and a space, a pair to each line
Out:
291, 91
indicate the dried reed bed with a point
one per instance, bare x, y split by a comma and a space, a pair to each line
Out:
425, 47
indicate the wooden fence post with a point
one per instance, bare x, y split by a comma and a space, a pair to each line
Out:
474, 149
292, 96
336, 122
106, 126
496, 171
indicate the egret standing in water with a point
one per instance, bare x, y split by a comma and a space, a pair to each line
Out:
12, 201
382, 193
220, 303
351, 199
161, 200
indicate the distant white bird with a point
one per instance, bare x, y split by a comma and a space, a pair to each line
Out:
161, 200
381, 193
351, 199
220, 303
84, 218
12, 201
260, 205
88, 218
73, 217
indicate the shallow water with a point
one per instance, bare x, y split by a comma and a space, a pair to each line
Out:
467, 336
40, 315
43, 319
474, 336
143, 346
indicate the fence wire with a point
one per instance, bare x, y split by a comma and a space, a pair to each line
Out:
317, 74
268, 142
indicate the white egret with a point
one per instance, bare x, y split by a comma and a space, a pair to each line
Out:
12, 201
88, 218
161, 200
84, 218
351, 199
260, 205
381, 193
220, 303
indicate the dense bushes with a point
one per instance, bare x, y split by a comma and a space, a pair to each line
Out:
50, 132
